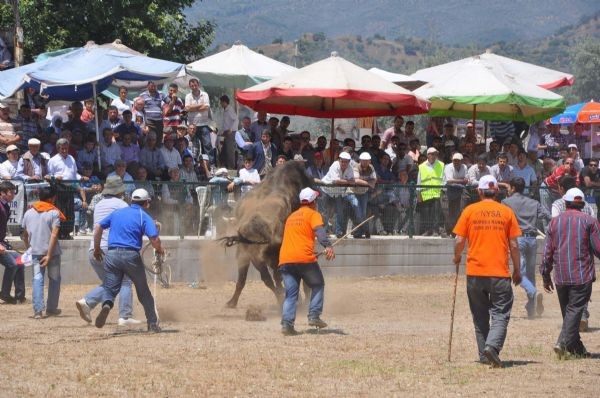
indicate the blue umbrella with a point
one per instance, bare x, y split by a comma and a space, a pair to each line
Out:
569, 116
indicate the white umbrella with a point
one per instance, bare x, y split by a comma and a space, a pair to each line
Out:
237, 67
488, 92
398, 78
538, 75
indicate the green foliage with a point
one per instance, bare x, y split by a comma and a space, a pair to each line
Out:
586, 64
319, 36
277, 40
156, 28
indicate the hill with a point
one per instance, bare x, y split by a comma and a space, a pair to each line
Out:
461, 22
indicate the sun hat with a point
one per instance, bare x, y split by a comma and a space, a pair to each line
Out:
364, 156
113, 186
345, 156
308, 195
488, 182
34, 141
573, 195
457, 156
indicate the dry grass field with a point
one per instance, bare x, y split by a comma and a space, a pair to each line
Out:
387, 337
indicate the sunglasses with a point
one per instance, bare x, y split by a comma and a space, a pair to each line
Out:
593, 165
569, 163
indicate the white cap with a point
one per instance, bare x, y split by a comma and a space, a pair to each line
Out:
345, 155
222, 172
432, 150
34, 141
573, 194
12, 147
488, 182
457, 156
140, 195
299, 158
204, 156
365, 156
308, 195
573, 146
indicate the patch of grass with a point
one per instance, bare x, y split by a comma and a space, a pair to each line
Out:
365, 368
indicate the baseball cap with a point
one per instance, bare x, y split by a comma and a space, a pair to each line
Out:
488, 182
34, 141
345, 156
140, 195
573, 195
308, 195
365, 156
11, 148
573, 146
457, 156
222, 172
432, 150
299, 158
205, 156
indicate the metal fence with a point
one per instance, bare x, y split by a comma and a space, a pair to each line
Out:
204, 209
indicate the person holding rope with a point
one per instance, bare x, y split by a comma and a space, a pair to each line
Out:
127, 227
492, 230
112, 200
297, 261
572, 241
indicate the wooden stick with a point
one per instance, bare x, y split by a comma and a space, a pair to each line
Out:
452, 314
345, 236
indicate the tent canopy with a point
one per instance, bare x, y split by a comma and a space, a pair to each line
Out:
237, 67
398, 78
71, 76
534, 74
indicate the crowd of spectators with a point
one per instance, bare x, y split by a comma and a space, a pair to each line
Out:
156, 138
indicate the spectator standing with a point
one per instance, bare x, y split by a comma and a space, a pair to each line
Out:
229, 125
590, 179
29, 126
197, 105
528, 213
552, 141
431, 173
41, 224
579, 235
264, 154
8, 131
455, 180
153, 108
12, 272
489, 227
394, 131
365, 179
243, 139
258, 126
172, 110
122, 103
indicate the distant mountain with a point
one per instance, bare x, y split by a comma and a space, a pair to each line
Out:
462, 22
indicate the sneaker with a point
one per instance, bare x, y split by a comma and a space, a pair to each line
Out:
492, 355
37, 315
84, 310
539, 304
288, 330
128, 322
583, 325
561, 352
101, 318
317, 322
152, 327
8, 299
55, 312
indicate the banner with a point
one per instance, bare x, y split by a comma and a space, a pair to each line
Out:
17, 206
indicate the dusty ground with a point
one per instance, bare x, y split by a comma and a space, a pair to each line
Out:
387, 337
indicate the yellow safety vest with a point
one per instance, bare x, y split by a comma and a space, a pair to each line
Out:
432, 177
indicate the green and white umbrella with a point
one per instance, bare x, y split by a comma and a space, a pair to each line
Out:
479, 90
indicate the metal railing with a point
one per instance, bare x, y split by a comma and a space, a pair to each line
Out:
202, 208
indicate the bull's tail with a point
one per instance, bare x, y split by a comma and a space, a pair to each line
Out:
229, 241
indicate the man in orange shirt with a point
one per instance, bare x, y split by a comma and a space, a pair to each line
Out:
492, 230
297, 261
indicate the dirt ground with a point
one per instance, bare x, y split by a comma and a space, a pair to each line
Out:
387, 337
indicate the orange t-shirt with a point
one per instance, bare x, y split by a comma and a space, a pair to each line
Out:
298, 244
488, 225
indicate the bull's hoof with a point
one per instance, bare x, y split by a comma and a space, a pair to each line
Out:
231, 304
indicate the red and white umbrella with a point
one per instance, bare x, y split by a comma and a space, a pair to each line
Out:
332, 88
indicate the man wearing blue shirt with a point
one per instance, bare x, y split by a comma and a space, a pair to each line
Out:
127, 227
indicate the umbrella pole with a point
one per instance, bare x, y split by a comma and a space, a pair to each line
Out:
332, 132
96, 120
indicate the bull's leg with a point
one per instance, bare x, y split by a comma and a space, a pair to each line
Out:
239, 286
268, 281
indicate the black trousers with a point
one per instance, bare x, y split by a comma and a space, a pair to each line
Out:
572, 299
431, 215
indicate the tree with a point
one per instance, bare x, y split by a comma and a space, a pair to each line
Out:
156, 28
586, 64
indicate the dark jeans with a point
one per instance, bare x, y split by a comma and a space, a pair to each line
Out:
431, 214
572, 299
156, 126
313, 277
120, 262
10, 273
207, 148
490, 297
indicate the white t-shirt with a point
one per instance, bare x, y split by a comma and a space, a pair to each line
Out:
198, 118
103, 209
122, 106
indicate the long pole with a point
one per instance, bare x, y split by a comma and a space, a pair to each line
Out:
345, 236
452, 314
331, 151
97, 127
18, 42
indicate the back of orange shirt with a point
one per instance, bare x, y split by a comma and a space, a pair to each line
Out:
298, 244
488, 225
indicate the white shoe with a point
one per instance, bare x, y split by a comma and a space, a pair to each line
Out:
128, 321
84, 310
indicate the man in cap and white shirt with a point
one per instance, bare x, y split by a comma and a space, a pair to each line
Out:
578, 234
365, 179
491, 230
297, 261
340, 173
112, 199
33, 165
455, 180
127, 228
8, 169
431, 173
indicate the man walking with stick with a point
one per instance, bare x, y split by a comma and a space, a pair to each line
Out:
491, 230
572, 241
